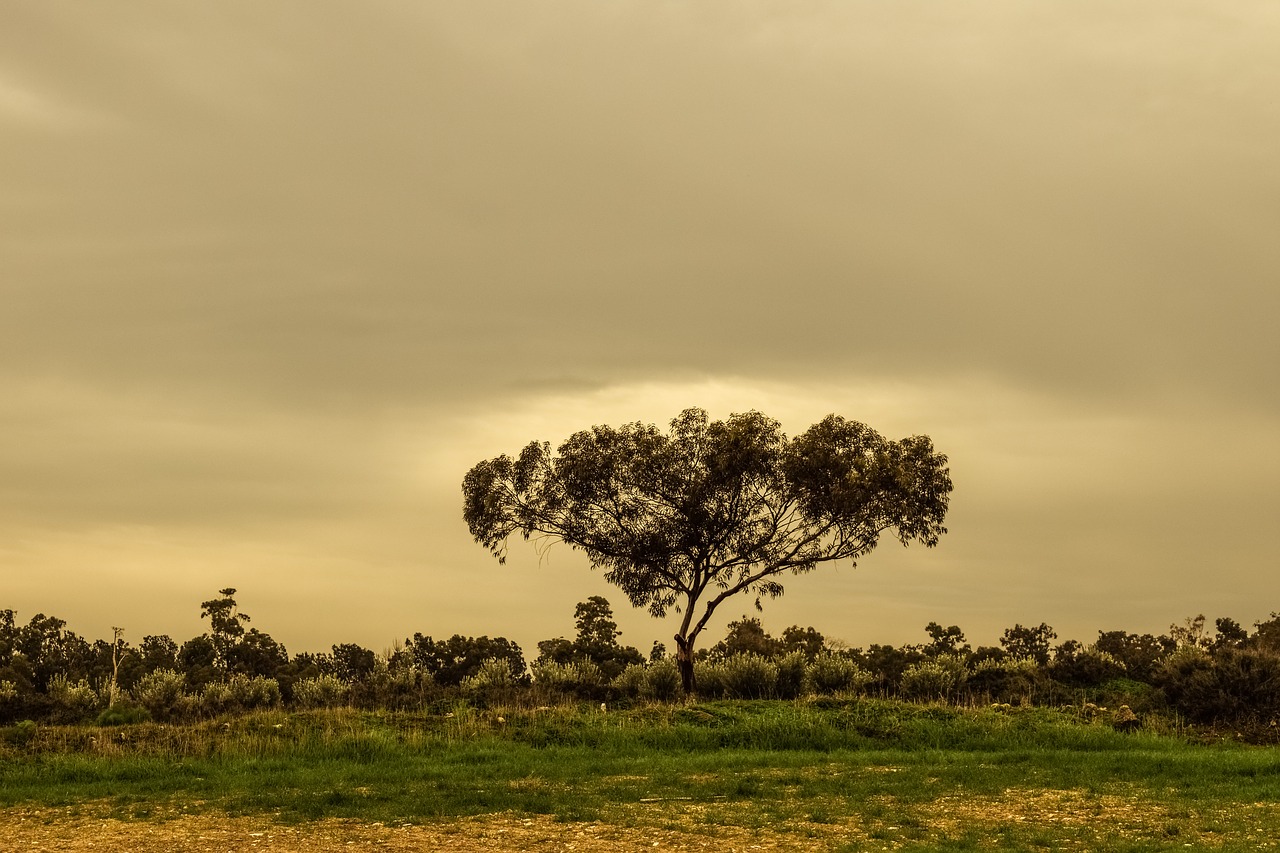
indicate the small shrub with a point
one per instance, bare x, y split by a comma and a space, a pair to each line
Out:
630, 683
254, 694
662, 680
161, 693
711, 678
19, 734
323, 691
580, 677
217, 698
123, 714
791, 682
1008, 679
1087, 668
830, 673
935, 678
492, 682
749, 676
71, 702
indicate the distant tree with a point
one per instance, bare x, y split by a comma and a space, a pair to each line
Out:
807, 641
557, 650
945, 641
1230, 634
1191, 633
226, 624
1266, 634
888, 663
353, 663
1140, 653
115, 665
687, 519
198, 661
158, 652
256, 653
1036, 643
746, 636
52, 650
450, 661
597, 638
8, 636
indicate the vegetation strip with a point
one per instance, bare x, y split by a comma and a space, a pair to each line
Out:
851, 774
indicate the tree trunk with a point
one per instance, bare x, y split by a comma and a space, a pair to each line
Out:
684, 661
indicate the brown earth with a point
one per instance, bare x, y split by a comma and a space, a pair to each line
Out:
54, 830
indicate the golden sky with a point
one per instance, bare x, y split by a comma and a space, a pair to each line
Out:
274, 276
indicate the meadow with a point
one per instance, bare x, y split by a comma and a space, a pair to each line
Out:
822, 774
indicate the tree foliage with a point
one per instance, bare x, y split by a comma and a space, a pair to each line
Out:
688, 518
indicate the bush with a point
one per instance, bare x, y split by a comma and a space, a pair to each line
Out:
935, 678
657, 681
161, 693
710, 678
19, 734
493, 681
1231, 686
791, 682
1009, 680
217, 698
662, 680
323, 691
631, 681
70, 702
400, 686
1087, 668
123, 714
749, 676
254, 694
830, 673
580, 677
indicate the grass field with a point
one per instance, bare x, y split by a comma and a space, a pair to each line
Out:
826, 775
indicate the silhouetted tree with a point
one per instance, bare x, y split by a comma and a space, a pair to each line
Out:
198, 661
746, 636
1020, 642
226, 624
1140, 653
807, 641
596, 640
52, 650
945, 641
158, 652
353, 663
690, 518
256, 653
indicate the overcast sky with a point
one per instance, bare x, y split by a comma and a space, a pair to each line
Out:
274, 276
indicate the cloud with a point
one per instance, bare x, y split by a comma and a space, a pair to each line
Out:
275, 277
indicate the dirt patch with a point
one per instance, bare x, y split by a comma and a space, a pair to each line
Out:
57, 830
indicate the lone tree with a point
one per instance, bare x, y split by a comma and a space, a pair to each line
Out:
710, 509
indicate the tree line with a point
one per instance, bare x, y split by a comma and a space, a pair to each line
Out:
1219, 674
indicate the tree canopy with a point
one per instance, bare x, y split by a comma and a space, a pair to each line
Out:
687, 518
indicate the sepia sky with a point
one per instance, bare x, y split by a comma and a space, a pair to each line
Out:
274, 276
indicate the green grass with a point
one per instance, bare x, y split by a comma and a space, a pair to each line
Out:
842, 774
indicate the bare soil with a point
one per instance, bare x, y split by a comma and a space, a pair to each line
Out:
57, 830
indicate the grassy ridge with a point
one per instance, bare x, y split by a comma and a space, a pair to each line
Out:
846, 769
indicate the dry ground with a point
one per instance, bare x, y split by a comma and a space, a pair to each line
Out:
51, 830
1075, 819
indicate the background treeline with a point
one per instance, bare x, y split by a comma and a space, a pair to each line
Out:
1226, 675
